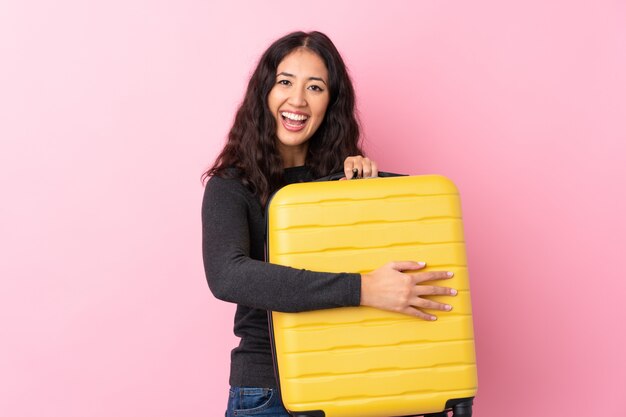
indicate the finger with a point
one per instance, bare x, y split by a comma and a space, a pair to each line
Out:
348, 164
433, 290
358, 165
430, 304
367, 167
374, 169
407, 265
432, 276
415, 312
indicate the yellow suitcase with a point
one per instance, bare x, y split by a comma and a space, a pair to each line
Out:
360, 361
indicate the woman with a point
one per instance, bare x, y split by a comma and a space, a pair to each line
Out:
297, 123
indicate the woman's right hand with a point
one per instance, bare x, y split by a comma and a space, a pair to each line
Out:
389, 288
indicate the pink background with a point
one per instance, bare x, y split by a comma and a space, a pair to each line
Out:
110, 111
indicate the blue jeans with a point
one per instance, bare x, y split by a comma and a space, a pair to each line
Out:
266, 402
247, 401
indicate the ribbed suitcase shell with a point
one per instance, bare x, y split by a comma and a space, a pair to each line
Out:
359, 361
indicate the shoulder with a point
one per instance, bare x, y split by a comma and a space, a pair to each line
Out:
227, 188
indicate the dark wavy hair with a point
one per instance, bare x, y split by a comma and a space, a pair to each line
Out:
251, 147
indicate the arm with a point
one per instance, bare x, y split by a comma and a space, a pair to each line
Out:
228, 213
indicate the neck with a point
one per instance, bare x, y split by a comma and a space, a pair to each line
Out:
293, 157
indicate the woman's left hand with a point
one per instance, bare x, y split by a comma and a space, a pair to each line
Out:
365, 166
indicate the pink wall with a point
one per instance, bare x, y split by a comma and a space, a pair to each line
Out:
109, 112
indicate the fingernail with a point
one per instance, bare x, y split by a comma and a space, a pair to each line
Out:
421, 263
453, 291
448, 307
433, 318
450, 274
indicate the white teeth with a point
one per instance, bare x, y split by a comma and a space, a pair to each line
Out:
293, 116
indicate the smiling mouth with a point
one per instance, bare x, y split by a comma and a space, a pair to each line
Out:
292, 121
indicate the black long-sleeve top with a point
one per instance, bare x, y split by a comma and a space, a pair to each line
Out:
233, 246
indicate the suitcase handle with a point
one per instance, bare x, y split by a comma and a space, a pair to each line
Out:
339, 175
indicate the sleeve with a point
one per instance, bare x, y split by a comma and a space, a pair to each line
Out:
235, 277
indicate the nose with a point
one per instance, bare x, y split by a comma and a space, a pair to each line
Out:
297, 97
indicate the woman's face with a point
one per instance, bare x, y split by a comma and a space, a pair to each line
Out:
298, 102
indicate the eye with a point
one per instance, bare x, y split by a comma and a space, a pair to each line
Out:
283, 82
316, 88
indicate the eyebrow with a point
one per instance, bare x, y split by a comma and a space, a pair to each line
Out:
286, 74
